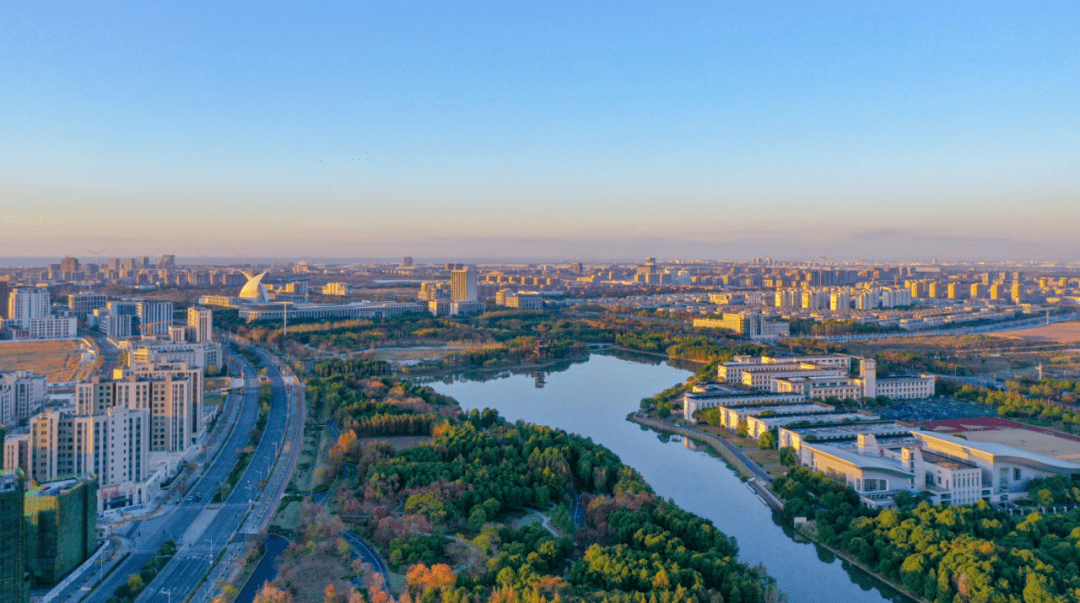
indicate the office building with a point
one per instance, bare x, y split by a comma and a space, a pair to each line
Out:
22, 394
201, 321
463, 284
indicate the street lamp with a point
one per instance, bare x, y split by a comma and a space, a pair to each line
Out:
167, 592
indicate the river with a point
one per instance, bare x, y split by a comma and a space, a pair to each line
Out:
593, 398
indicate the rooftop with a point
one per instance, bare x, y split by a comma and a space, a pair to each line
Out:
851, 432
945, 461
59, 485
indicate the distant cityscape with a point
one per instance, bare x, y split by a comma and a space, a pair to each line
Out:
125, 435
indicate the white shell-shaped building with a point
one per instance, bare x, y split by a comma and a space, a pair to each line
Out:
254, 290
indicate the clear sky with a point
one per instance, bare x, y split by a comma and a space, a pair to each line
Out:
714, 129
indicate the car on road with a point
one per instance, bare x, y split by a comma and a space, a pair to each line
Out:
191, 498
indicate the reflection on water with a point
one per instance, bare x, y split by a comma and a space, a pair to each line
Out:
265, 571
593, 399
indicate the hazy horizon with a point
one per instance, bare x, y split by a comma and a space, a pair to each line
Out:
483, 130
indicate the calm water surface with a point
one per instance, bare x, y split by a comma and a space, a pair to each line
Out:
593, 398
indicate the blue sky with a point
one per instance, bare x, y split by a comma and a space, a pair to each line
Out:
712, 129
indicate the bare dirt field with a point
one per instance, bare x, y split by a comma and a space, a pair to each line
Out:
1032, 441
1062, 332
57, 360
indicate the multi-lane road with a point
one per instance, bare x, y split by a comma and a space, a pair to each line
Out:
202, 528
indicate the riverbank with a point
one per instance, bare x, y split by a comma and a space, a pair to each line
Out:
735, 458
554, 363
758, 481
593, 400
899, 589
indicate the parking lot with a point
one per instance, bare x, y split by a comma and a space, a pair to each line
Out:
935, 409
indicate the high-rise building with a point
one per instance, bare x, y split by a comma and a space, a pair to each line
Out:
1017, 295
155, 317
69, 265
201, 320
840, 301
171, 392
166, 262
5, 293
61, 527
22, 395
13, 585
463, 284
25, 304
408, 261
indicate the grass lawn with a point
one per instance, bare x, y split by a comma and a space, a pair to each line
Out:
287, 516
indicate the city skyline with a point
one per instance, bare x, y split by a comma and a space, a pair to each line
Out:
838, 130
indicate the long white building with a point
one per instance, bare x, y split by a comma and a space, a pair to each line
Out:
881, 460
253, 312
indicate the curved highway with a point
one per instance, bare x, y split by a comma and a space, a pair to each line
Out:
217, 522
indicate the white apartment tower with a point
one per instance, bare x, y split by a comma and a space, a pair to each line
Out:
201, 320
27, 304
22, 394
114, 445
155, 317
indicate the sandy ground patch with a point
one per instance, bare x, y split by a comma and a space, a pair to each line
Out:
57, 360
1032, 441
1062, 332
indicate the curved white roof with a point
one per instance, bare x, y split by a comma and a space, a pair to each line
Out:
254, 290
